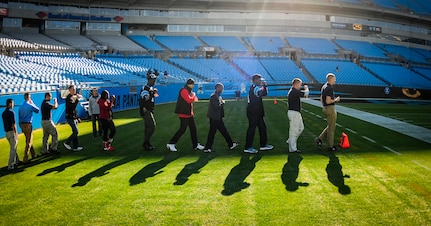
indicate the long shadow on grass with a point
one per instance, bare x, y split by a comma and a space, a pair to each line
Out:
102, 171
291, 172
235, 180
33, 162
152, 169
62, 167
335, 174
193, 168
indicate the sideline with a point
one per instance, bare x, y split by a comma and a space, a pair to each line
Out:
405, 128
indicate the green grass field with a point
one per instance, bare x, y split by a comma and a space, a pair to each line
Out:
381, 183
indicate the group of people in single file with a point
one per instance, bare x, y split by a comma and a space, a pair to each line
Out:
101, 106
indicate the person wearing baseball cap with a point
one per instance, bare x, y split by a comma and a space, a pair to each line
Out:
184, 109
146, 109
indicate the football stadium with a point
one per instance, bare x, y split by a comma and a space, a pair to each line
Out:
67, 53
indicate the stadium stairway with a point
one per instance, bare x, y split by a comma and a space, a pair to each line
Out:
405, 128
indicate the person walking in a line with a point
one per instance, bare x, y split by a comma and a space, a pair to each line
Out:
48, 125
296, 125
25, 115
328, 100
146, 109
9, 124
94, 112
216, 117
72, 118
184, 109
256, 114
106, 104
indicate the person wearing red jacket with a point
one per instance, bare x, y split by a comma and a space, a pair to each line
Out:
106, 104
184, 109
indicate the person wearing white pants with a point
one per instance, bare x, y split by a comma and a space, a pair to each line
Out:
296, 125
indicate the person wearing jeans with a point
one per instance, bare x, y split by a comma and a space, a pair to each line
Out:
72, 101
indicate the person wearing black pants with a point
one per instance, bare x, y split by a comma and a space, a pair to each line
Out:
146, 109
216, 116
106, 118
255, 115
184, 109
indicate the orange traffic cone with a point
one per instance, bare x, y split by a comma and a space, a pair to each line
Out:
275, 101
344, 141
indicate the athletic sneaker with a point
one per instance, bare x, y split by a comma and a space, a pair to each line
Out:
208, 150
318, 142
110, 140
171, 147
110, 148
79, 148
332, 148
251, 150
234, 145
68, 147
199, 147
297, 151
267, 147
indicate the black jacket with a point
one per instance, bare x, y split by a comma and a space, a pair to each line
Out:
215, 107
146, 99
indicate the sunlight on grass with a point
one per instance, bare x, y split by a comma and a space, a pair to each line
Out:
364, 185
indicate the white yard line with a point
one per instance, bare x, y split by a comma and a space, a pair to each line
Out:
369, 139
422, 165
352, 131
391, 150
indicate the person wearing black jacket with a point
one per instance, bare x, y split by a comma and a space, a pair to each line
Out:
216, 117
255, 115
146, 109
184, 109
72, 101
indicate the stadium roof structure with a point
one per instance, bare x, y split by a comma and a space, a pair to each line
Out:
330, 7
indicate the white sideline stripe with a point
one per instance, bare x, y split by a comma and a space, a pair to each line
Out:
369, 139
318, 116
391, 150
352, 131
405, 128
338, 125
422, 165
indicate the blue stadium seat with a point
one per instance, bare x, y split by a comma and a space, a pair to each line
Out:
365, 49
283, 70
146, 42
179, 43
226, 43
313, 45
347, 73
397, 75
403, 51
265, 44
